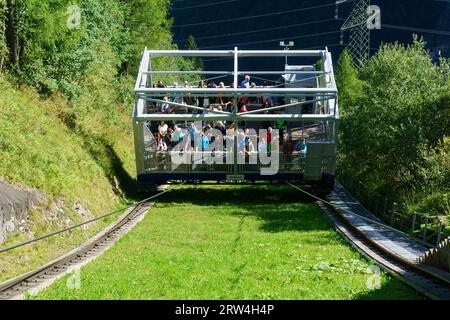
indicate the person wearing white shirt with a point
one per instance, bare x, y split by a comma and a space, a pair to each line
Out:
163, 128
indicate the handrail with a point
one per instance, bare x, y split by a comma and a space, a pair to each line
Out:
397, 215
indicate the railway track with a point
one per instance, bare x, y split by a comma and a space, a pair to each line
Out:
431, 282
42, 277
428, 281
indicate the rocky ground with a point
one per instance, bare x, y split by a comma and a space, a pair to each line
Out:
14, 206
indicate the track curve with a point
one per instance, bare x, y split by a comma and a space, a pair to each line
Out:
38, 279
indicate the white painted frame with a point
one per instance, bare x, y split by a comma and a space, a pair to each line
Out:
144, 91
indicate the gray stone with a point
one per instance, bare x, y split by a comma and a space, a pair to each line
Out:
14, 206
82, 211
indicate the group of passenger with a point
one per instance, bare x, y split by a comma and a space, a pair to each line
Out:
168, 135
215, 103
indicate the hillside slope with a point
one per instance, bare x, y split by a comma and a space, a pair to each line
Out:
66, 85
39, 151
78, 173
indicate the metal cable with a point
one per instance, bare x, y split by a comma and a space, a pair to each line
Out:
223, 35
206, 80
352, 213
251, 17
263, 79
282, 84
308, 48
215, 78
2, 250
204, 5
298, 81
270, 40
440, 32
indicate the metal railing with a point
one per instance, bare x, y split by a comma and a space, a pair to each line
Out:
305, 97
427, 229
295, 162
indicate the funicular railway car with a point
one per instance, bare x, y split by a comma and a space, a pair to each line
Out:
240, 131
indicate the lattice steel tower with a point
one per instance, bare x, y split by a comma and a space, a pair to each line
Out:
356, 24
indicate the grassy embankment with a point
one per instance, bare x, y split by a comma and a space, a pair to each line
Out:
67, 166
230, 243
66, 91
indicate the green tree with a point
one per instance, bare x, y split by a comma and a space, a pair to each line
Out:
349, 85
45, 53
3, 46
149, 26
192, 45
391, 126
350, 92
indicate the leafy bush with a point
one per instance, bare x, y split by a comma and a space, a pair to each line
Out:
65, 123
395, 120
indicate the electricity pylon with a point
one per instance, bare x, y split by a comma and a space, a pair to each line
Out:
356, 24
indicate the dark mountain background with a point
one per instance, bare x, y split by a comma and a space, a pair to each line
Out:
314, 28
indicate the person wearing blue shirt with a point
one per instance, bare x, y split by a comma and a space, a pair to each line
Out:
165, 107
205, 142
192, 132
246, 82
301, 146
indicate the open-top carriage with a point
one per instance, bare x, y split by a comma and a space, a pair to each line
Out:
240, 131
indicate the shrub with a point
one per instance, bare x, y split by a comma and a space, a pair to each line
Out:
396, 113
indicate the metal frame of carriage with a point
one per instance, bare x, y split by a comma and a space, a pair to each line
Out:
316, 168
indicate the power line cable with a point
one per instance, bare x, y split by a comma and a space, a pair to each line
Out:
415, 29
431, 31
205, 5
278, 39
252, 17
259, 30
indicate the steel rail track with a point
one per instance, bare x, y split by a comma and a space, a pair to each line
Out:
38, 279
427, 280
